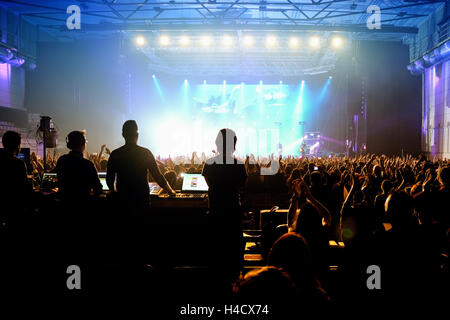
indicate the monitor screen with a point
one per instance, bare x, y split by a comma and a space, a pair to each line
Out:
104, 185
102, 177
24, 155
194, 182
49, 177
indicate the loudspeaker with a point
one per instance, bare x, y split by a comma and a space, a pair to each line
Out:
50, 139
45, 123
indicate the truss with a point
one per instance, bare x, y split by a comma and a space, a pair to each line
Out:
350, 15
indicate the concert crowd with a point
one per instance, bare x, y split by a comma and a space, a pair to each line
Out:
344, 215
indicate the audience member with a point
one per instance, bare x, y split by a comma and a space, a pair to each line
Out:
15, 188
291, 253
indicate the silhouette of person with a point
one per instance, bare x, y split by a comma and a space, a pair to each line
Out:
225, 176
78, 185
273, 286
77, 176
291, 253
14, 187
15, 230
127, 171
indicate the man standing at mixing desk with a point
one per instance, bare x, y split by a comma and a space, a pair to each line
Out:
226, 176
130, 164
127, 177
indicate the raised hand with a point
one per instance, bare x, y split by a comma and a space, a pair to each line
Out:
305, 190
428, 178
297, 188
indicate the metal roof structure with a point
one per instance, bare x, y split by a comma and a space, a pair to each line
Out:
397, 17
400, 20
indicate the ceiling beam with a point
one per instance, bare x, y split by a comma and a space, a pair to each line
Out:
59, 10
136, 10
219, 2
245, 27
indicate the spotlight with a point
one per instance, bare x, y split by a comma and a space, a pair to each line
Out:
227, 41
314, 42
260, 82
206, 41
204, 81
248, 41
184, 41
164, 40
330, 77
281, 82
337, 42
140, 41
271, 41
153, 76
293, 42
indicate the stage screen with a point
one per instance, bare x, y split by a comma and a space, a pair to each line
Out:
268, 118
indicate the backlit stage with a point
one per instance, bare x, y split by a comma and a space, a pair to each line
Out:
268, 118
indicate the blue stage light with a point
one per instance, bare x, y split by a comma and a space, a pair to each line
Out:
158, 88
323, 92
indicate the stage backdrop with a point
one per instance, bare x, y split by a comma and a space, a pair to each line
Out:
269, 116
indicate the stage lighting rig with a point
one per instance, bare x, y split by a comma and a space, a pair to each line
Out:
314, 42
248, 41
206, 41
164, 40
227, 41
293, 42
271, 41
140, 41
184, 41
337, 42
